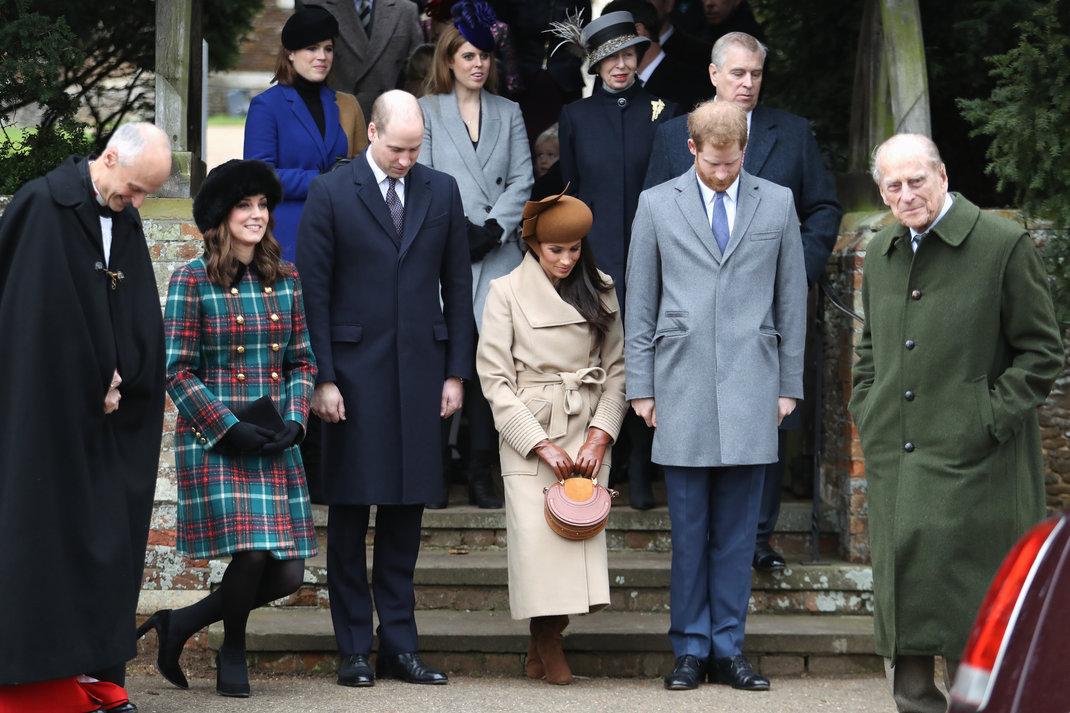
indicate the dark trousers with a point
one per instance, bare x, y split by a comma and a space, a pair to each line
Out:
396, 546
481, 433
714, 515
772, 484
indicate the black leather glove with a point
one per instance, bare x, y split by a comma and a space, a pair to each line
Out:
482, 239
245, 437
289, 436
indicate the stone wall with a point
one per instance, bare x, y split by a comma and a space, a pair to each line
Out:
843, 467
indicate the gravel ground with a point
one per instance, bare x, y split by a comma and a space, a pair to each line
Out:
491, 695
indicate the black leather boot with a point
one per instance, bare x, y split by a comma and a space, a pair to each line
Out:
481, 473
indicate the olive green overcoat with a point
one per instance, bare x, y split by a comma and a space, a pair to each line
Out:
959, 348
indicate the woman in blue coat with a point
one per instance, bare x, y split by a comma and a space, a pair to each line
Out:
300, 126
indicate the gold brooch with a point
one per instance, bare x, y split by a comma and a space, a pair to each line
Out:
656, 107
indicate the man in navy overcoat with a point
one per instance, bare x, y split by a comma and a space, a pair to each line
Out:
781, 149
381, 239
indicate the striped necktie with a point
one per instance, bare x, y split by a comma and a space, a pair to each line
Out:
719, 224
364, 12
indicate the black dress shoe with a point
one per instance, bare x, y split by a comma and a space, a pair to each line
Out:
231, 673
686, 674
736, 671
127, 707
355, 671
408, 668
481, 470
766, 559
166, 655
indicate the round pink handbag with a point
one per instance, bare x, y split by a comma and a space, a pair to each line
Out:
577, 508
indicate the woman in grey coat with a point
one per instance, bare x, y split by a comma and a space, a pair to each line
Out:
478, 138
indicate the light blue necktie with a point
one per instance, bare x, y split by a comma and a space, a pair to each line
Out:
720, 222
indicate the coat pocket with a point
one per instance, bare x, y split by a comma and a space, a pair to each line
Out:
770, 235
673, 323
352, 333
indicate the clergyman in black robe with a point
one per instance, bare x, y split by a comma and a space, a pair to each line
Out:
79, 313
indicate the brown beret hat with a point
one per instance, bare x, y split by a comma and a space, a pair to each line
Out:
556, 219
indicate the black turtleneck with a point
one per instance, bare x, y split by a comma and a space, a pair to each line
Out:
310, 95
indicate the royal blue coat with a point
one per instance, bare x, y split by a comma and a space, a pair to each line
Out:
281, 132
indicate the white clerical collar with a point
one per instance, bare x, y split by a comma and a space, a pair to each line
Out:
380, 174
663, 38
943, 211
644, 76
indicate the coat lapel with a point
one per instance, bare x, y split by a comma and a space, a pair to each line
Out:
689, 202
300, 112
538, 300
490, 128
371, 196
451, 115
763, 136
385, 15
334, 124
747, 200
68, 188
417, 202
350, 31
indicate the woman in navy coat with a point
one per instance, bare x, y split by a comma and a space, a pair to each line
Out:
605, 146
296, 126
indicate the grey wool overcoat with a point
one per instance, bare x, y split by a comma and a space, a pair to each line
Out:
546, 376
715, 339
494, 177
959, 348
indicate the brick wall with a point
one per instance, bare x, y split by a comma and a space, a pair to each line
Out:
843, 468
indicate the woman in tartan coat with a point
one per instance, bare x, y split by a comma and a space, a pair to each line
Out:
235, 331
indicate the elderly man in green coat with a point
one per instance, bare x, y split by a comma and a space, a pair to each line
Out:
960, 347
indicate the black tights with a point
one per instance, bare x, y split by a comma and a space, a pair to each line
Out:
252, 579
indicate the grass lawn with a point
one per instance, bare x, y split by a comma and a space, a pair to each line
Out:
225, 120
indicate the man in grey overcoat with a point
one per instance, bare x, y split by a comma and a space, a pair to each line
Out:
375, 39
715, 326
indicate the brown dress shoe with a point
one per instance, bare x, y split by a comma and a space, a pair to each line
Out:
546, 631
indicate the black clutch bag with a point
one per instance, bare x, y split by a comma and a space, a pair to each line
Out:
263, 413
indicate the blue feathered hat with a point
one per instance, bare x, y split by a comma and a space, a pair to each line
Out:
474, 20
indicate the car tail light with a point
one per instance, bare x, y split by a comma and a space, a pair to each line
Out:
997, 614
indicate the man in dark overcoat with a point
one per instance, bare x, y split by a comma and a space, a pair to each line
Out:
378, 238
81, 411
959, 348
781, 149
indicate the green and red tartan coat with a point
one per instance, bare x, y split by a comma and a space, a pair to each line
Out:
227, 347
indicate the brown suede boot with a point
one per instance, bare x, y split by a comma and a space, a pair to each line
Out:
533, 667
546, 631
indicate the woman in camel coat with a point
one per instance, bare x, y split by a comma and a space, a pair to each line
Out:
551, 363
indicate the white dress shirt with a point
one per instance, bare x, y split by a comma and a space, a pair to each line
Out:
708, 196
644, 76
914, 243
381, 179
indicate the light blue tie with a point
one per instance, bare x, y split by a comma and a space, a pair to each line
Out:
720, 222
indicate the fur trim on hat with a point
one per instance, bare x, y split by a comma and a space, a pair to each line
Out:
227, 184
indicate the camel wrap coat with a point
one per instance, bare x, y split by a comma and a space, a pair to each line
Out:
546, 376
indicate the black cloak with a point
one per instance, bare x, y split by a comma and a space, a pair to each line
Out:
76, 486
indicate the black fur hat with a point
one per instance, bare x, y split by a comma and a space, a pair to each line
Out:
226, 184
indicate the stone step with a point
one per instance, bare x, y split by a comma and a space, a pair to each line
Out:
607, 643
639, 582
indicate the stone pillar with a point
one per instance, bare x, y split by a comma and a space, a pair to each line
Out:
179, 72
891, 91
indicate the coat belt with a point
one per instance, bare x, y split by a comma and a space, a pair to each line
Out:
565, 397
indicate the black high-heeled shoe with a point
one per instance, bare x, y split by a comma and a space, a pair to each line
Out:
168, 668
231, 673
